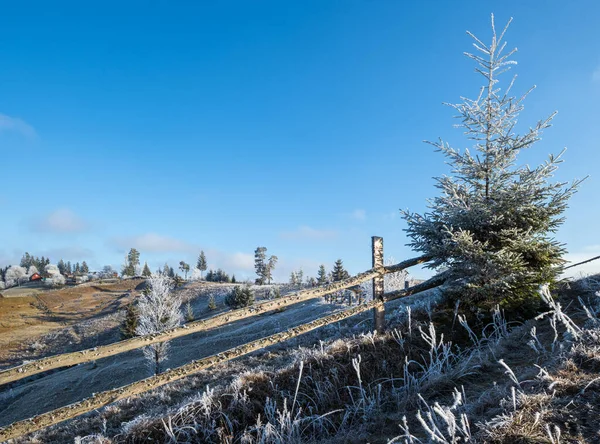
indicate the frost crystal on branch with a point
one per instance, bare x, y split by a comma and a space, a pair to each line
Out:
492, 222
159, 310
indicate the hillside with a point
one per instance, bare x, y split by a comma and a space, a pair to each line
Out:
72, 313
525, 381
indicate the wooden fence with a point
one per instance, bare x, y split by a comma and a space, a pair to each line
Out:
376, 274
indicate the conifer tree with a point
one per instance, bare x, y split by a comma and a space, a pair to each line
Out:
492, 225
212, 303
201, 264
321, 275
268, 271
84, 268
339, 273
62, 267
259, 264
189, 312
146, 271
240, 297
131, 322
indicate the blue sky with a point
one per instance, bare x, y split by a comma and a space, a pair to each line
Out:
298, 125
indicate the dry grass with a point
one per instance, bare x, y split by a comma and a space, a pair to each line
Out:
24, 320
440, 375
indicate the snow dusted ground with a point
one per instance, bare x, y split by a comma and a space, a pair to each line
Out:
24, 400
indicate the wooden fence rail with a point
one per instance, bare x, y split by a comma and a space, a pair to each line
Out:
98, 400
104, 351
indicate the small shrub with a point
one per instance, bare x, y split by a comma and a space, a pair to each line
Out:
212, 304
131, 322
274, 293
189, 312
240, 297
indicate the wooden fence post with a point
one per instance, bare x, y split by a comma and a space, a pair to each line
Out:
378, 311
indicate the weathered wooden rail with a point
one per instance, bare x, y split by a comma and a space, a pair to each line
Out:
98, 400
104, 351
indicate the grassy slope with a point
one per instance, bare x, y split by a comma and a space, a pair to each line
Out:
342, 397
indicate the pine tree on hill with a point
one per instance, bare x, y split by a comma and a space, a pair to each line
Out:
131, 321
146, 271
260, 255
492, 225
321, 275
62, 267
201, 264
339, 273
84, 268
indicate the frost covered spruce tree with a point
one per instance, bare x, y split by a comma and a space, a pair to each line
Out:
492, 225
159, 309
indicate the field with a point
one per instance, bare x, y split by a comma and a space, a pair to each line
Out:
28, 313
464, 379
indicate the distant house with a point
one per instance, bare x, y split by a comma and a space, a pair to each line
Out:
35, 277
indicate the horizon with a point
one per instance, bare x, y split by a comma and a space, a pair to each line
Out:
296, 126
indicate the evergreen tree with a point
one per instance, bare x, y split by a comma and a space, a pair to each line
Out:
189, 312
166, 270
491, 226
131, 321
233, 281
212, 304
77, 268
260, 255
321, 275
171, 273
69, 268
201, 264
132, 262
339, 273
26, 261
84, 268
268, 271
62, 267
240, 297
146, 271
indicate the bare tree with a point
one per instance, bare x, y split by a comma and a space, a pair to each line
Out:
159, 310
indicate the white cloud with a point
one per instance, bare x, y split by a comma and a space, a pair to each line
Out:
8, 123
230, 261
307, 233
62, 220
359, 214
153, 243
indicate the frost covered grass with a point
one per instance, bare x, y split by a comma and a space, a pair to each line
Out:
440, 374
